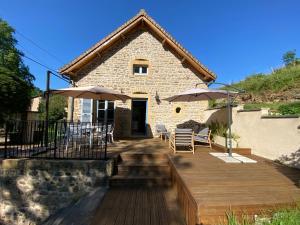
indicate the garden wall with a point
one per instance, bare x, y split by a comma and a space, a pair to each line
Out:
275, 138
32, 190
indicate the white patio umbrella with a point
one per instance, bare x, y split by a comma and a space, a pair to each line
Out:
200, 94
93, 92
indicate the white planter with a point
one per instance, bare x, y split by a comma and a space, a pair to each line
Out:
222, 141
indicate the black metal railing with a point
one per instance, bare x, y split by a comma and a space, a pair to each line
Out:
55, 140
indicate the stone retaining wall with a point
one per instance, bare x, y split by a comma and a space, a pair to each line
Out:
32, 190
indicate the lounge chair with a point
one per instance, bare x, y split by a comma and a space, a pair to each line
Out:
182, 138
162, 131
203, 136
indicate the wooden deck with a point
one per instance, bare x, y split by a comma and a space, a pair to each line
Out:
207, 187
138, 206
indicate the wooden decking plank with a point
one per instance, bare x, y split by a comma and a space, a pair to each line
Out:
210, 186
158, 207
154, 207
138, 211
130, 208
146, 210
163, 213
121, 207
112, 203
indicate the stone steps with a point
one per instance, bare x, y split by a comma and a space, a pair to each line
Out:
140, 181
142, 170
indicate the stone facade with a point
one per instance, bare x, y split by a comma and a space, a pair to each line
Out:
167, 76
32, 190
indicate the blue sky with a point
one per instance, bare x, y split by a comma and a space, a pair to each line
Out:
232, 38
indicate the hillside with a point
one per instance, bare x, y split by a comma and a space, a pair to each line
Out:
279, 91
283, 85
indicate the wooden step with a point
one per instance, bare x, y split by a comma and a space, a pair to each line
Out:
139, 181
144, 164
143, 158
144, 170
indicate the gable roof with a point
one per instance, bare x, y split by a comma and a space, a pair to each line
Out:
142, 18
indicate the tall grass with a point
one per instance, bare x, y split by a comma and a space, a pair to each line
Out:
288, 216
280, 80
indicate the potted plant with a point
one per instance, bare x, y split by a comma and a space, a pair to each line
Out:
219, 135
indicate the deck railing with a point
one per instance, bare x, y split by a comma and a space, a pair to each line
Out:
55, 140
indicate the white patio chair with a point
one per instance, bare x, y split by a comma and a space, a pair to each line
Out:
78, 135
110, 133
162, 131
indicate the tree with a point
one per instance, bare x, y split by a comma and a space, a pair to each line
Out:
289, 58
15, 79
57, 105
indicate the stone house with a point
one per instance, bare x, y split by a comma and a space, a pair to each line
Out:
142, 60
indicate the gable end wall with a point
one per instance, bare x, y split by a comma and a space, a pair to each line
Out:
167, 76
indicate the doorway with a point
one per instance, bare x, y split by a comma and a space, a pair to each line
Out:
139, 117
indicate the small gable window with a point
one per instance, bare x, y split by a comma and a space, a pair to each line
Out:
140, 69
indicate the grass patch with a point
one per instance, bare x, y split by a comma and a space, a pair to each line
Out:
281, 108
272, 106
288, 216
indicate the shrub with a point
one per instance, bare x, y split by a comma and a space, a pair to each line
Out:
290, 109
218, 129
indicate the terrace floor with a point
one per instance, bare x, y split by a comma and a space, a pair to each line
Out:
207, 187
139, 206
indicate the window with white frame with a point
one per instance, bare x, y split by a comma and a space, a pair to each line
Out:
106, 109
86, 110
140, 69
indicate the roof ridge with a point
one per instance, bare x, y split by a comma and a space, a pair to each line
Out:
177, 43
141, 13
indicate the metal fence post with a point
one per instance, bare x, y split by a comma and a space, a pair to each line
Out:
105, 150
47, 106
5, 145
55, 138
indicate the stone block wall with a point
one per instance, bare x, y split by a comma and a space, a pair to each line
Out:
167, 76
32, 190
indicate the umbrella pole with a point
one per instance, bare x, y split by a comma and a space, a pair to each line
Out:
47, 107
229, 144
105, 148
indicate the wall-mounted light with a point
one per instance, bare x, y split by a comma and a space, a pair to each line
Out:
157, 98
